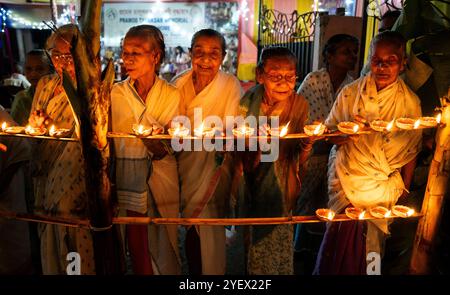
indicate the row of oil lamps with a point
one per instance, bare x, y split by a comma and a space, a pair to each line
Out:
243, 131
375, 212
53, 131
311, 130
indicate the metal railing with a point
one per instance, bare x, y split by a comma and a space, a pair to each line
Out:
294, 31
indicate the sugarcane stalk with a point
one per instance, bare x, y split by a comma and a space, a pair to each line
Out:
433, 202
90, 100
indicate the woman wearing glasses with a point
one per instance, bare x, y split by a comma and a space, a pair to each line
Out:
204, 182
271, 188
146, 170
58, 175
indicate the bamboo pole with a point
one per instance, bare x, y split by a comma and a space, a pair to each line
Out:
84, 223
169, 137
433, 203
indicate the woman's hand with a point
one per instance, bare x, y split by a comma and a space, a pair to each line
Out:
39, 119
155, 147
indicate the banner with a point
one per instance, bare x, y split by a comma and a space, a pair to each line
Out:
177, 21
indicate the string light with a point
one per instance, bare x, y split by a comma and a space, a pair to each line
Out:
3, 16
18, 21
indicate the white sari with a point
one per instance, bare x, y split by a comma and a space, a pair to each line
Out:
366, 173
143, 185
205, 188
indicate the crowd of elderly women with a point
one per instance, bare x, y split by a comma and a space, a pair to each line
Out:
153, 180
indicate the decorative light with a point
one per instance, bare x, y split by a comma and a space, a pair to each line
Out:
284, 130
438, 118
18, 21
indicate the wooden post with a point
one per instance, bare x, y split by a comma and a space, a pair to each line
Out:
54, 10
433, 202
90, 101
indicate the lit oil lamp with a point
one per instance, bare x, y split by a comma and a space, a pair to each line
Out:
4, 125
58, 132
325, 214
178, 131
438, 118
157, 130
243, 131
380, 125
284, 130
390, 126
402, 211
380, 212
265, 130
417, 124
202, 131
314, 129
362, 215
141, 130
348, 127
430, 121
355, 213
35, 131
13, 129
407, 123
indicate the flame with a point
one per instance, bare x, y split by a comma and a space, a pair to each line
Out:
361, 215
284, 130
387, 214
199, 130
355, 128
417, 124
176, 132
390, 125
243, 129
29, 128
317, 129
410, 212
140, 129
4, 125
52, 130
438, 118
330, 215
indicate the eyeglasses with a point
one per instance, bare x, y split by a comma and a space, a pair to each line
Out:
277, 78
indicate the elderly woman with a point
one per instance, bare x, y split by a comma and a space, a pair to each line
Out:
376, 169
271, 188
59, 175
205, 184
320, 89
146, 170
37, 65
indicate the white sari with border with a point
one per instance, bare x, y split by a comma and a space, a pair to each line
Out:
205, 188
366, 173
144, 185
